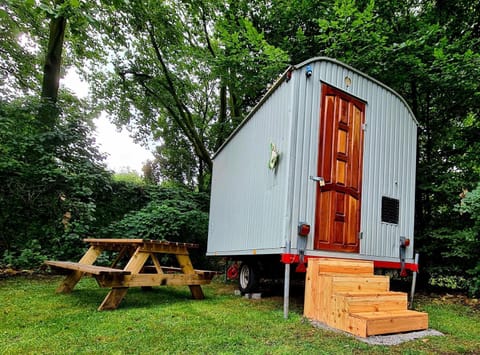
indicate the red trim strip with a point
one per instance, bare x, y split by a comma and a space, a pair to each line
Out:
394, 265
378, 264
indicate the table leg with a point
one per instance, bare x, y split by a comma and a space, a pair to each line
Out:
116, 294
137, 261
187, 268
113, 299
72, 279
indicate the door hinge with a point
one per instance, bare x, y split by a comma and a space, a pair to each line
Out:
364, 126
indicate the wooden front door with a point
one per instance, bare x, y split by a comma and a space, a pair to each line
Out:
337, 215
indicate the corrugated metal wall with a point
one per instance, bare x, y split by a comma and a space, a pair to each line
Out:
248, 201
255, 210
306, 149
389, 156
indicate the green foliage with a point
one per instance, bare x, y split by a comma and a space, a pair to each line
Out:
174, 161
49, 181
164, 220
56, 192
21, 29
444, 279
186, 78
350, 34
456, 265
471, 243
248, 62
129, 177
291, 25
471, 204
123, 197
173, 214
30, 254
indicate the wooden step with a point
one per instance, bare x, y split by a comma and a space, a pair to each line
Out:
345, 294
331, 266
319, 291
373, 283
374, 323
355, 302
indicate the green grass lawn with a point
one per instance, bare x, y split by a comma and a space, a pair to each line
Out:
34, 319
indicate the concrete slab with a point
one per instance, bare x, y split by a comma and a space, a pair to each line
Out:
389, 339
253, 296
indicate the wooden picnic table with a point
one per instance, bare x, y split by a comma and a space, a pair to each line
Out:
136, 271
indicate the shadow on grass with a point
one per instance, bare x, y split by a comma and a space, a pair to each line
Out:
136, 298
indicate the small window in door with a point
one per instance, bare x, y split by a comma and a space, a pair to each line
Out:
390, 210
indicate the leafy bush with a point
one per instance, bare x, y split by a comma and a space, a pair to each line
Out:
452, 251
173, 214
451, 259
471, 206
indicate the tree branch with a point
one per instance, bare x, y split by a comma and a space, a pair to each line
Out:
205, 31
189, 127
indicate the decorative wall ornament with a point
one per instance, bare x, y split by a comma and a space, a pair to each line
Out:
274, 155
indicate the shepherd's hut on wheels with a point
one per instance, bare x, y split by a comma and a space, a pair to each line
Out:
323, 167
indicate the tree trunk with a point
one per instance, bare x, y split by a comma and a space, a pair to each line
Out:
222, 118
48, 113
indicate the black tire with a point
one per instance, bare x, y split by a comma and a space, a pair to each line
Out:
248, 278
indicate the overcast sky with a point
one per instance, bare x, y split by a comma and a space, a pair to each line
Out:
123, 153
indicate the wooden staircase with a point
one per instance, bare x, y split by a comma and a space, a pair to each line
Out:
345, 294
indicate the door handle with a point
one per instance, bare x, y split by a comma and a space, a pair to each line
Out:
319, 179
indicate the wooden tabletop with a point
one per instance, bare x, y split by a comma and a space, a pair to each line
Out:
136, 242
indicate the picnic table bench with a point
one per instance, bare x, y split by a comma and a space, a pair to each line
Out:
136, 271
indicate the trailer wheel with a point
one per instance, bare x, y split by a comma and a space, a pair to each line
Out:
247, 278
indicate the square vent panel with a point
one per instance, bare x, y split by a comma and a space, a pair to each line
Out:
390, 208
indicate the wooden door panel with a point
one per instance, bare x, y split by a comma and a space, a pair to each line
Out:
353, 226
339, 221
341, 172
323, 217
344, 114
327, 132
356, 148
337, 217
342, 141
338, 232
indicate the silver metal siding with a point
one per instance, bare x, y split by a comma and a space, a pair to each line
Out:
389, 158
389, 170
248, 200
307, 120
256, 211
